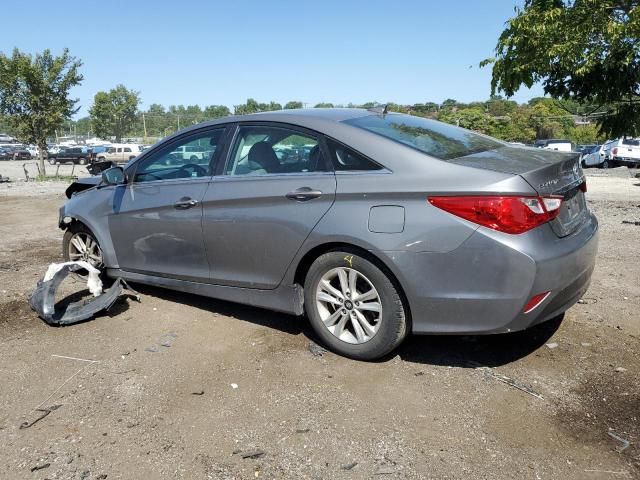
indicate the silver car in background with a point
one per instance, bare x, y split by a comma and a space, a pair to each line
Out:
375, 225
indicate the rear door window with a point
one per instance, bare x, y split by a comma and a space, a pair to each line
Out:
268, 150
436, 139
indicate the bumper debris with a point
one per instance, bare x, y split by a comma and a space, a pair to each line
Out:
42, 300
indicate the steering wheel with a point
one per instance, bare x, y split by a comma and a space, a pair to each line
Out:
202, 172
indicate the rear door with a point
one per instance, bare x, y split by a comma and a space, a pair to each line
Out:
156, 224
263, 203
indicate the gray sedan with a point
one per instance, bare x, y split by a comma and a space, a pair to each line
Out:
374, 225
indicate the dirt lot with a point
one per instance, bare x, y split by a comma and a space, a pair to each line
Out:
188, 387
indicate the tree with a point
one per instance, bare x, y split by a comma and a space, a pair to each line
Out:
293, 104
581, 50
34, 94
252, 106
114, 112
323, 105
216, 111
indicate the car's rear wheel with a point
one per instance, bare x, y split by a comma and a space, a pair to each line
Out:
82, 161
605, 164
80, 244
353, 306
52, 161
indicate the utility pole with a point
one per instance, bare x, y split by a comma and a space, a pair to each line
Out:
178, 122
144, 125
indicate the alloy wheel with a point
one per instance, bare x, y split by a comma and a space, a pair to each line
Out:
349, 305
83, 246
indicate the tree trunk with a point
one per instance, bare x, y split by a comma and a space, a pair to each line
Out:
42, 153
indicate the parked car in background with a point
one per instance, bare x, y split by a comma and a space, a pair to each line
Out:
388, 224
554, 144
77, 155
584, 149
120, 152
21, 154
593, 158
622, 151
5, 154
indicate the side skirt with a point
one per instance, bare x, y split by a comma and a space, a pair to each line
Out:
285, 298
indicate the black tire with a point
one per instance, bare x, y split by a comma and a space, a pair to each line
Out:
82, 161
52, 161
74, 229
605, 163
392, 327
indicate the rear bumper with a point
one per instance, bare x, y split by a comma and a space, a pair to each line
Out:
627, 160
482, 286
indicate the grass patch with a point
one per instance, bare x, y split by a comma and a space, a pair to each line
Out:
55, 178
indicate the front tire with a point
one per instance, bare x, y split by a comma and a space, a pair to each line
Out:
79, 243
605, 164
353, 306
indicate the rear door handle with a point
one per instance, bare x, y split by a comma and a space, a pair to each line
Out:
184, 203
303, 194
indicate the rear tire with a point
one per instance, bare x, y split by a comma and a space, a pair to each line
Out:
366, 324
605, 164
82, 161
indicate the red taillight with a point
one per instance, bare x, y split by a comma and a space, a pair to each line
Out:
507, 214
615, 151
535, 301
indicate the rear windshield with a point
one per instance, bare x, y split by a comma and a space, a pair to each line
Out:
434, 138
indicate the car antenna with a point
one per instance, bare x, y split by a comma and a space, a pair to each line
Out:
379, 109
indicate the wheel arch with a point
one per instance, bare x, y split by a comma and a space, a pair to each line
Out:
309, 257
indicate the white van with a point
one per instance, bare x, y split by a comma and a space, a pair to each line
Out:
120, 152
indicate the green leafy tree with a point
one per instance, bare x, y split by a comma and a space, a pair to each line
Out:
34, 94
113, 113
323, 105
293, 104
587, 51
252, 106
216, 111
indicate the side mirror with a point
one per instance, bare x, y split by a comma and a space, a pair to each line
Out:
113, 176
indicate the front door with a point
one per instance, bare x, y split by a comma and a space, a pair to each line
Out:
156, 224
262, 205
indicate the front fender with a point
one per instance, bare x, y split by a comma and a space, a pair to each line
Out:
92, 208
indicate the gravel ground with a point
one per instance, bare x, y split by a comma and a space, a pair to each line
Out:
187, 387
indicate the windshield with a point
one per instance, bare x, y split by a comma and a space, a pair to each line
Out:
434, 138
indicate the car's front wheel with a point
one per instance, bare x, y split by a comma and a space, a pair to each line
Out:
79, 244
353, 306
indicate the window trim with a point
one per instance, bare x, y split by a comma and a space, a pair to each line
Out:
222, 165
220, 152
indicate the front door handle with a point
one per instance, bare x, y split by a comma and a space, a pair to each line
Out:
303, 194
184, 203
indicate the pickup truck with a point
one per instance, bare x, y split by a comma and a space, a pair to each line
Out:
622, 151
78, 155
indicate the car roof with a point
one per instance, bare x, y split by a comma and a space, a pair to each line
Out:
313, 118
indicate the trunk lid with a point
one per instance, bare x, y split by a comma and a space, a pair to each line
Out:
548, 172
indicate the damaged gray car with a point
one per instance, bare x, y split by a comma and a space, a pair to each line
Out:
374, 224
